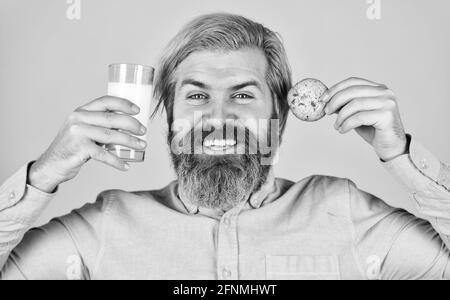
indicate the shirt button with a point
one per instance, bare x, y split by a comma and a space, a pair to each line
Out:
12, 195
226, 273
226, 221
423, 164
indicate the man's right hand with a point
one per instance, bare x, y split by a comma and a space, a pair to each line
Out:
79, 138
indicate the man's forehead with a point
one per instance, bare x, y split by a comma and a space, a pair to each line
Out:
244, 64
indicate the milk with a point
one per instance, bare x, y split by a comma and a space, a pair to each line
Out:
139, 94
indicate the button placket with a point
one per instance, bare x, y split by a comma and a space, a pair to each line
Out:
227, 257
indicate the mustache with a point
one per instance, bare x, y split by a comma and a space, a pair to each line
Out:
197, 136
261, 139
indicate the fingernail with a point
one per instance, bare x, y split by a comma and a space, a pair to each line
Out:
135, 109
143, 129
126, 166
142, 143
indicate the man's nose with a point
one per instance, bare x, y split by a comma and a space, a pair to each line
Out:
221, 110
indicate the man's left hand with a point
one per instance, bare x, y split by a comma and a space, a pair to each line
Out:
371, 109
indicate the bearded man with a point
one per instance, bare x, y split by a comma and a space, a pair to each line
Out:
223, 81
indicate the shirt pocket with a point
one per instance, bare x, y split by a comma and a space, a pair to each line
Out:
302, 267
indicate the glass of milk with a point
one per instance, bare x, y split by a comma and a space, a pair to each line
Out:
134, 83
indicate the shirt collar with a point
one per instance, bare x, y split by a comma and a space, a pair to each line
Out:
255, 200
258, 198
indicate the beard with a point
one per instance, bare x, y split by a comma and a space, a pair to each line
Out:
219, 181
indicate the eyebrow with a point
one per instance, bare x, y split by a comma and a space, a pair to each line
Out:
237, 87
246, 84
195, 83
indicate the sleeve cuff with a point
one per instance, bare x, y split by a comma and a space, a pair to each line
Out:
13, 189
418, 169
21, 201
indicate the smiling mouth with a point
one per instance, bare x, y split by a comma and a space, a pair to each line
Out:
219, 145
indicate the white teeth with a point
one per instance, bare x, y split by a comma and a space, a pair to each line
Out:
219, 143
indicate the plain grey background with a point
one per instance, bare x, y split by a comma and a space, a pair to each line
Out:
49, 65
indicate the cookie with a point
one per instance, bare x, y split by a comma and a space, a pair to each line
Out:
304, 100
